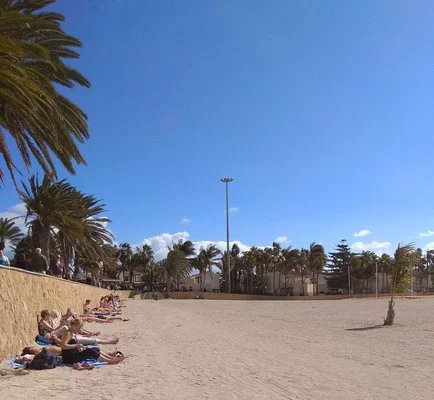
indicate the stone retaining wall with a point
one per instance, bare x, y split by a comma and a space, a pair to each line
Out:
22, 297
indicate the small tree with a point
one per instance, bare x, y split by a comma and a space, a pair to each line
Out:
405, 257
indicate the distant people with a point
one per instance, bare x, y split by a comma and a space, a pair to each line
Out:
39, 262
56, 266
22, 262
4, 261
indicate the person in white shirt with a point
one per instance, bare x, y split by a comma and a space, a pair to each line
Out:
4, 261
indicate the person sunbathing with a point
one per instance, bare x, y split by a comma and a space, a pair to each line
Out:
84, 338
33, 350
73, 352
30, 352
90, 316
71, 314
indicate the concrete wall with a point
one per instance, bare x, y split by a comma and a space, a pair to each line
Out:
24, 294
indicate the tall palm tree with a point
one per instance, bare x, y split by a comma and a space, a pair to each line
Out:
276, 257
10, 234
141, 259
177, 267
206, 259
34, 114
153, 274
59, 207
186, 247
125, 255
317, 262
385, 266
405, 258
363, 267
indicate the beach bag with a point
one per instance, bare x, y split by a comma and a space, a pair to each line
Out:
44, 360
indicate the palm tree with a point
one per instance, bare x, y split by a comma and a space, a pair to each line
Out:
405, 257
430, 265
205, 260
10, 234
59, 207
40, 120
275, 257
187, 248
385, 266
125, 256
153, 274
176, 266
141, 259
317, 261
363, 267
24, 246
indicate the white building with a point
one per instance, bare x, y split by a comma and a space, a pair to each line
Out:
211, 284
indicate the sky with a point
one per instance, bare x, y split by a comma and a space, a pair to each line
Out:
322, 112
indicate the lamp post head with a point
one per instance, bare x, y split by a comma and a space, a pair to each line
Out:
226, 180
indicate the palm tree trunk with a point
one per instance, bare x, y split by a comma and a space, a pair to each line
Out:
390, 312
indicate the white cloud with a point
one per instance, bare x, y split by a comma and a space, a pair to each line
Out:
282, 240
233, 210
362, 233
425, 234
184, 221
161, 243
428, 246
376, 247
17, 211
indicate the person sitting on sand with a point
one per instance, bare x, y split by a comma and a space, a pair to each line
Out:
73, 352
46, 326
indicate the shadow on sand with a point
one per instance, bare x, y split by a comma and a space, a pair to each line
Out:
366, 328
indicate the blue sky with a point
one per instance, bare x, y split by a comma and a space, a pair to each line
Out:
322, 112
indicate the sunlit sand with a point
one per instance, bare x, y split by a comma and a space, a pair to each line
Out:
199, 349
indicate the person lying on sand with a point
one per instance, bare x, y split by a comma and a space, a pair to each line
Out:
30, 352
90, 316
71, 314
73, 352
83, 338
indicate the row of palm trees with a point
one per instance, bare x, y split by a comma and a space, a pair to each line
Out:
181, 260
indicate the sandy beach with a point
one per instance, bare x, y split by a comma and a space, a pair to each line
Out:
200, 349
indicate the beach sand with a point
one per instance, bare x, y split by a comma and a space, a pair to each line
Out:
201, 349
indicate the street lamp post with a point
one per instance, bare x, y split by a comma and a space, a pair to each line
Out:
228, 284
376, 279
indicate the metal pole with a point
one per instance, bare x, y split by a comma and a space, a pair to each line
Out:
376, 279
227, 239
228, 284
349, 280
411, 280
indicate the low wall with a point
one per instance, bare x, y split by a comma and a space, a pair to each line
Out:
235, 296
24, 294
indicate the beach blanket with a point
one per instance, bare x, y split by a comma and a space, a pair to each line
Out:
14, 364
